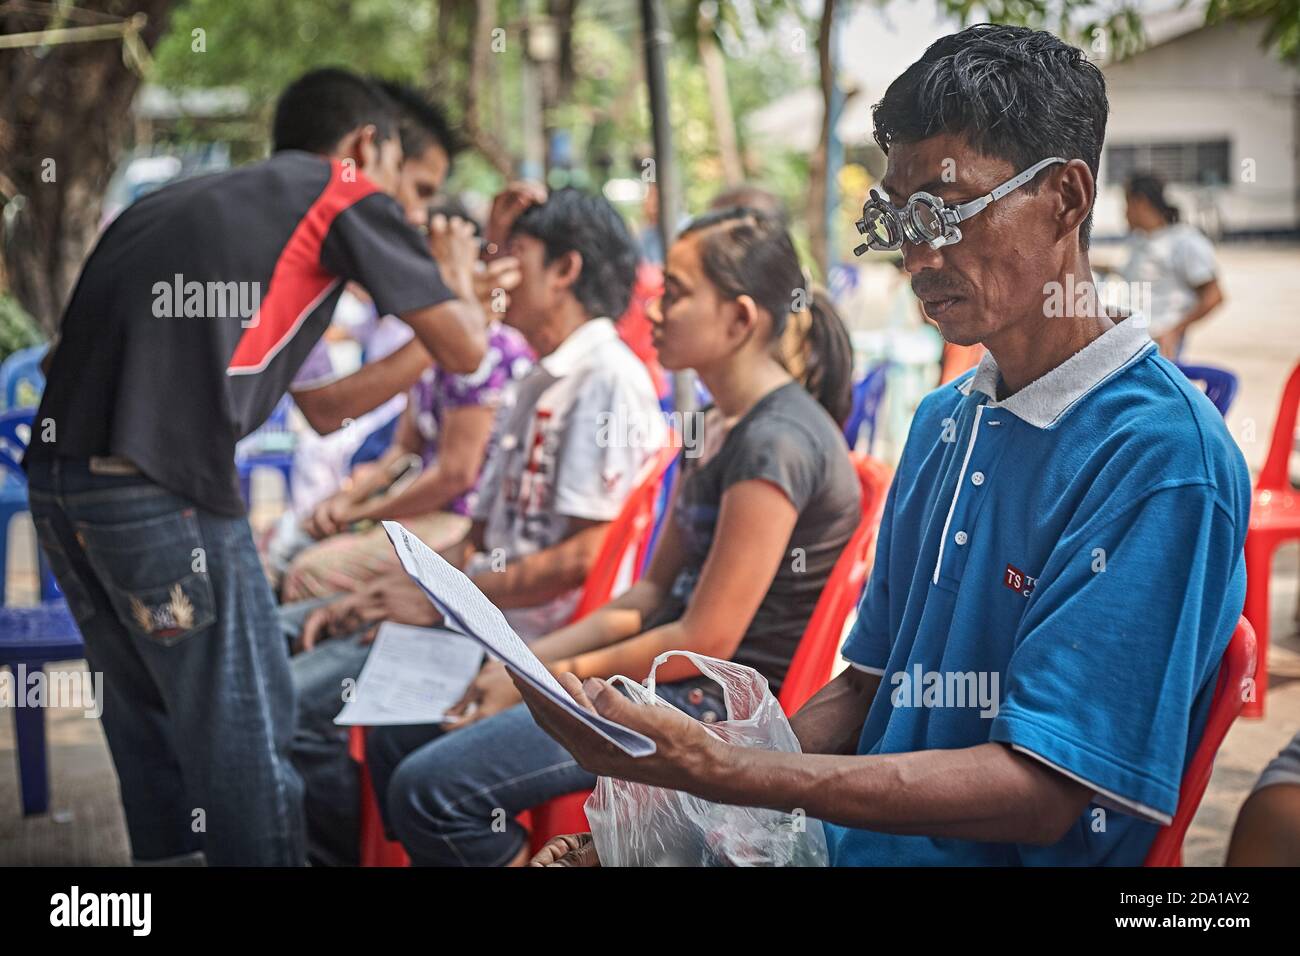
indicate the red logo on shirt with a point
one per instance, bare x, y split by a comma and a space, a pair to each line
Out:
1018, 581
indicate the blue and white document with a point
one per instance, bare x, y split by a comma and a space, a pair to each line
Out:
465, 609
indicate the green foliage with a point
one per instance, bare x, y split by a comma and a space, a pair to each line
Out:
1117, 31
18, 330
1282, 16
262, 46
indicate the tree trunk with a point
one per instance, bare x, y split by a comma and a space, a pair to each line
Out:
817, 163
724, 122
64, 119
480, 50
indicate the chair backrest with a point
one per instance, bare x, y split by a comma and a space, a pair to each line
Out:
814, 659
867, 394
1230, 692
1220, 384
1275, 476
21, 378
628, 535
15, 433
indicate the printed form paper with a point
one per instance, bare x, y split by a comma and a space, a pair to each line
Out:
413, 674
464, 608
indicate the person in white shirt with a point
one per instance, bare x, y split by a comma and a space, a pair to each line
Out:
1172, 260
554, 480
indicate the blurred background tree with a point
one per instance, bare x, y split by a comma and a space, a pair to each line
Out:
547, 88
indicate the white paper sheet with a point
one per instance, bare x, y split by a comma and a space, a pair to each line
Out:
465, 608
413, 674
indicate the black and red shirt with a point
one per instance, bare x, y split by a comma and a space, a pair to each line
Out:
201, 300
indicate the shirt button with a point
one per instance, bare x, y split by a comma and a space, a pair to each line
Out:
961, 537
977, 478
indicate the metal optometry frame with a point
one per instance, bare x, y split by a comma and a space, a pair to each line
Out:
925, 217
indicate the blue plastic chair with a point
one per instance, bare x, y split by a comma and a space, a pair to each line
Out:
1220, 384
866, 404
21, 378
32, 637
15, 432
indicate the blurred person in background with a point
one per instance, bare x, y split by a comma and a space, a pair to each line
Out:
1173, 260
133, 484
774, 480
550, 488
1268, 826
325, 453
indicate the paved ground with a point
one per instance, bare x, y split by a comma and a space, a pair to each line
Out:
1257, 335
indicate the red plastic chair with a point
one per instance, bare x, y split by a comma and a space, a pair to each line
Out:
1232, 690
626, 538
810, 669
1274, 518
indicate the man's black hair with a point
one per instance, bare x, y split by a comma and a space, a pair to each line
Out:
421, 123
321, 107
1152, 188
573, 220
1013, 93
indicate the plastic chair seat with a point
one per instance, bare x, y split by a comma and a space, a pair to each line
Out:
1231, 690
1274, 518
32, 637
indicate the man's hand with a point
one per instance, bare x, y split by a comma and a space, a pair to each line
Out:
687, 757
493, 282
489, 693
332, 516
392, 598
575, 849
506, 207
455, 248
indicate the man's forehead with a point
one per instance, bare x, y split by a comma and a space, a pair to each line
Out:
938, 164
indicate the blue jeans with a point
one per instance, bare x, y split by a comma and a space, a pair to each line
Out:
198, 706
331, 779
451, 798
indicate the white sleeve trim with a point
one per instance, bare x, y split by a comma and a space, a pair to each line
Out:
877, 671
1104, 798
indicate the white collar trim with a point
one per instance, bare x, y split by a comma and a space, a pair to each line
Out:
575, 351
1045, 400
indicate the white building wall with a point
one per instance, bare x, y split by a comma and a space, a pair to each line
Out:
1214, 83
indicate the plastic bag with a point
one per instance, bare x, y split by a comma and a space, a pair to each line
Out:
633, 824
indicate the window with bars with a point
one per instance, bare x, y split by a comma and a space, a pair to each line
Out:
1200, 163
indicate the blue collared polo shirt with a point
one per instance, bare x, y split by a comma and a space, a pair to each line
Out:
1059, 572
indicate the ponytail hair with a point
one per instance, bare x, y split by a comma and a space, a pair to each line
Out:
1152, 188
746, 252
828, 358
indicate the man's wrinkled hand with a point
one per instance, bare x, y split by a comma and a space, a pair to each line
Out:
686, 755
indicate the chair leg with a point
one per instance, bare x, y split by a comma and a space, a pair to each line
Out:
33, 771
1259, 559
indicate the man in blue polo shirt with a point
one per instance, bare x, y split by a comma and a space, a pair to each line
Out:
1059, 565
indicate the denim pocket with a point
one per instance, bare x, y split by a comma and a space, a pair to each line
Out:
74, 590
147, 568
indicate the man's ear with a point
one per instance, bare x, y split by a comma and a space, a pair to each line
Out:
567, 268
359, 147
1076, 192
